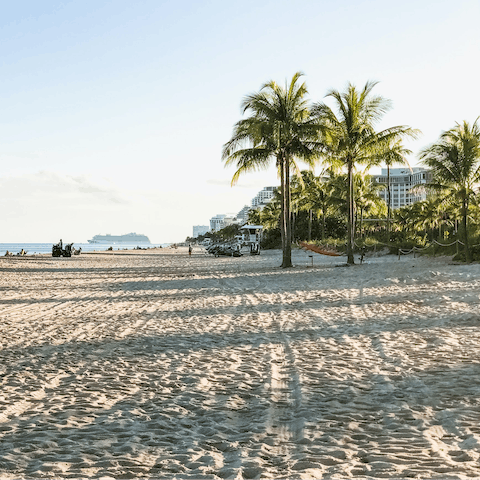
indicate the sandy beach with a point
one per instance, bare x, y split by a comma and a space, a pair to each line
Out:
157, 364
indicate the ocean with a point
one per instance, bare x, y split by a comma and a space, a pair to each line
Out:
33, 248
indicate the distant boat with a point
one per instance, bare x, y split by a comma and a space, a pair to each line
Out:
131, 238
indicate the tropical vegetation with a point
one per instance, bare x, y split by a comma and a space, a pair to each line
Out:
350, 138
341, 204
455, 164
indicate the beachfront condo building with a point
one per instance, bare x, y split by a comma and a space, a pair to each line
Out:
405, 185
242, 215
200, 230
221, 221
263, 197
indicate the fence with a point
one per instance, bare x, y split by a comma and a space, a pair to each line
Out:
414, 250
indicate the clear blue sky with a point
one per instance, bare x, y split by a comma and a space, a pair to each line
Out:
113, 113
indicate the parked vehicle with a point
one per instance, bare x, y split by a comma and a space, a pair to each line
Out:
231, 249
58, 250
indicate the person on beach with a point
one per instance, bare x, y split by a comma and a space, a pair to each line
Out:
189, 249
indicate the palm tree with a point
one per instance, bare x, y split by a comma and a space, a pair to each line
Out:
395, 154
366, 196
322, 203
254, 216
428, 216
279, 128
319, 198
350, 138
270, 215
455, 164
304, 193
404, 219
297, 188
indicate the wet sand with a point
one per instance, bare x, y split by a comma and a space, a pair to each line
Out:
157, 364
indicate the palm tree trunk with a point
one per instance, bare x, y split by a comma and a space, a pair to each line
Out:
287, 248
281, 162
351, 215
361, 223
323, 224
294, 218
310, 220
389, 203
468, 258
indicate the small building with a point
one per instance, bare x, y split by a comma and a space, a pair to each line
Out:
252, 236
251, 233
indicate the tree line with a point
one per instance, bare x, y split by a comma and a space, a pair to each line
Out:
284, 127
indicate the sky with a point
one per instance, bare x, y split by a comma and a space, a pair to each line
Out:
113, 114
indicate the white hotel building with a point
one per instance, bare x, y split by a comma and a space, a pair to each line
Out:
405, 185
263, 197
220, 221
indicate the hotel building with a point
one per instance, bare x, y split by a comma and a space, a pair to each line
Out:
405, 185
263, 197
220, 221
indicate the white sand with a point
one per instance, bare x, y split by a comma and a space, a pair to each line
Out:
162, 365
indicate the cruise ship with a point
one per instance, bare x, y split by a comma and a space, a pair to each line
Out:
131, 238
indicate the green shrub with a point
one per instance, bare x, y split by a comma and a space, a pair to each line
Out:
474, 253
271, 238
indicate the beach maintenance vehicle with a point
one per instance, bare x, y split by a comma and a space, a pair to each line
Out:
228, 249
58, 250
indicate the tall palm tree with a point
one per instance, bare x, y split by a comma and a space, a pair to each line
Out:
350, 137
280, 128
319, 200
366, 198
322, 203
455, 164
396, 153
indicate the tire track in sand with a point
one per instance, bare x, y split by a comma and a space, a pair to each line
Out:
285, 422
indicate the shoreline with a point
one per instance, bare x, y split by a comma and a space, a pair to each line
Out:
46, 248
